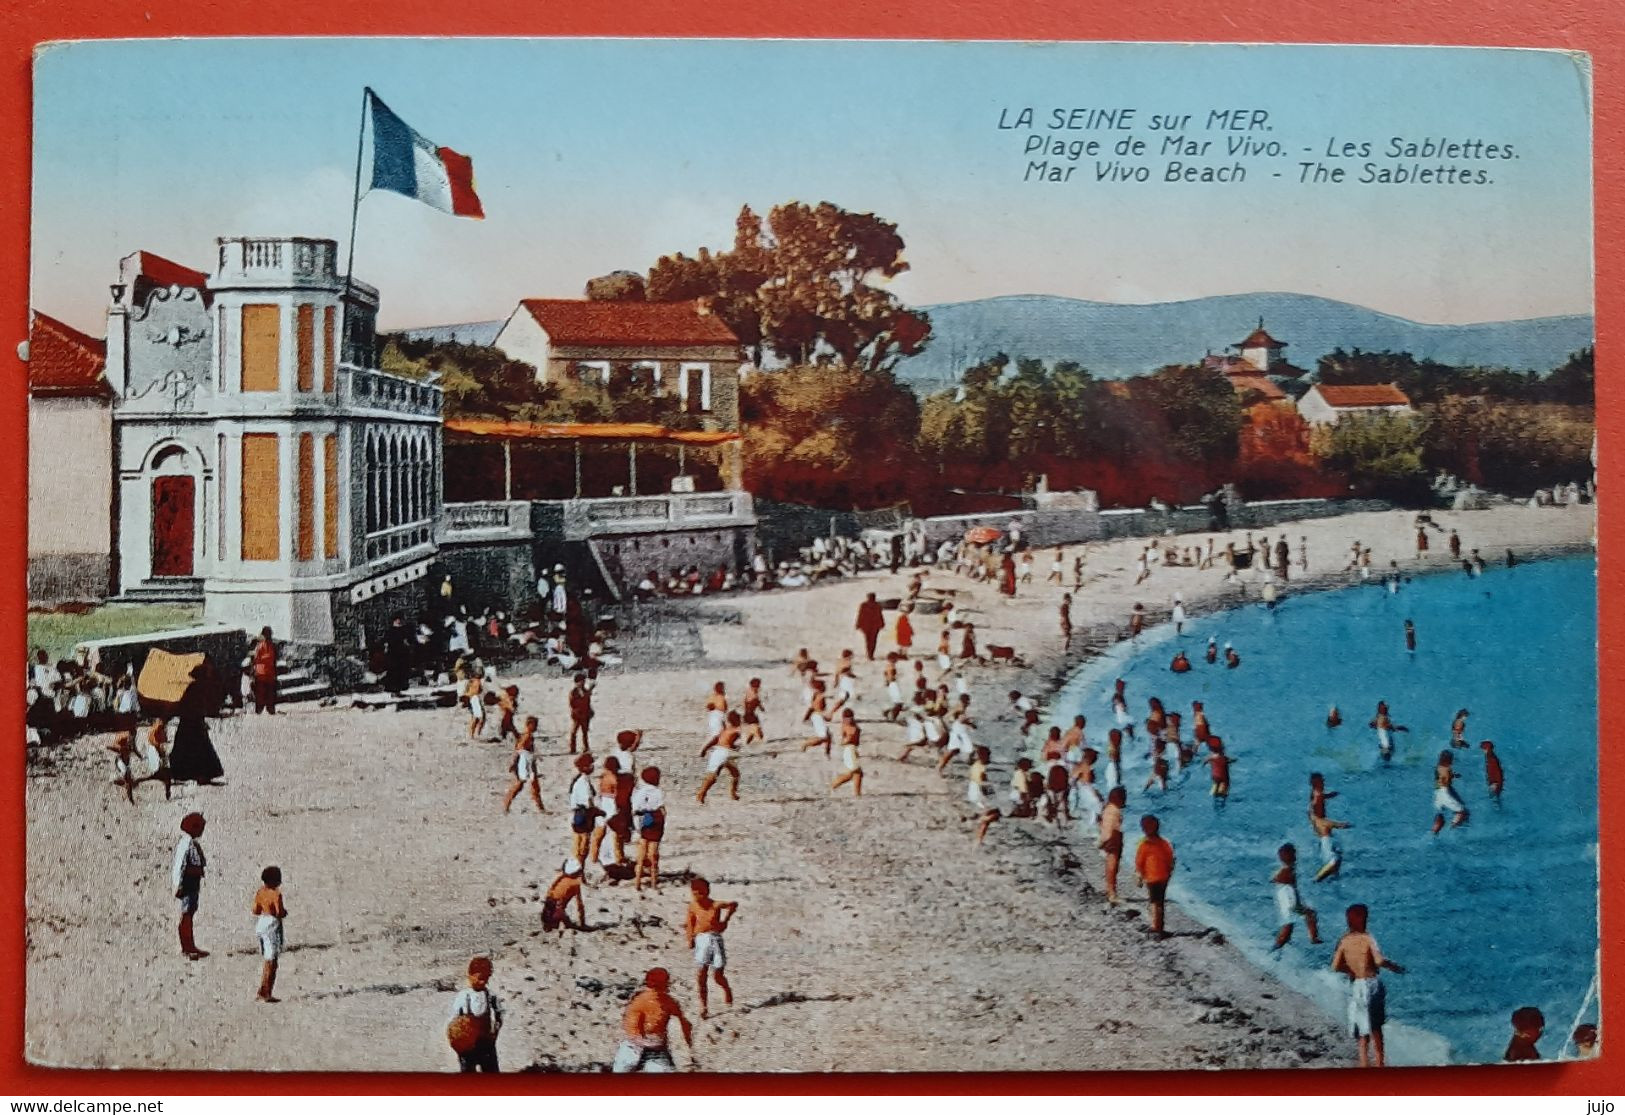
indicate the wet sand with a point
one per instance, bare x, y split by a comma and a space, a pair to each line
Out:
872, 934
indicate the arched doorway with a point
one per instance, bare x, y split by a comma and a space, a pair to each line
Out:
174, 515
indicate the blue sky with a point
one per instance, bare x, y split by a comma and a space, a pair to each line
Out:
592, 155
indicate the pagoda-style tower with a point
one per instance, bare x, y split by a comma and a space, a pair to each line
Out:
1261, 350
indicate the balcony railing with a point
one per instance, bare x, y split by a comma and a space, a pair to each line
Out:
512, 520
375, 390
384, 543
584, 518
277, 261
486, 521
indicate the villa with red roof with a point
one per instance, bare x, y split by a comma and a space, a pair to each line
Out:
680, 350
1328, 404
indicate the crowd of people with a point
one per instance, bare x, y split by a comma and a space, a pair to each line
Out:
1057, 779
614, 811
72, 696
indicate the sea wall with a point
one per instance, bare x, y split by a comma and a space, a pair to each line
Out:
785, 528
224, 646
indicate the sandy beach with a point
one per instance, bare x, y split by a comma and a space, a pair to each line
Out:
872, 935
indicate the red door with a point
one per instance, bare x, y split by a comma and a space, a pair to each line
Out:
172, 526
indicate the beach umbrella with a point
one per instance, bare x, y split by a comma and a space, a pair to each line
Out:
981, 536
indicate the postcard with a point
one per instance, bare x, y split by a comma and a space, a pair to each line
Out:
787, 556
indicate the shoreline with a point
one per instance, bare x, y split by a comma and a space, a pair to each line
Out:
1409, 1044
873, 935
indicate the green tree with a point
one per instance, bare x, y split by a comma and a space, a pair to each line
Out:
1510, 447
1201, 409
829, 436
617, 286
1575, 380
481, 382
803, 287
1381, 454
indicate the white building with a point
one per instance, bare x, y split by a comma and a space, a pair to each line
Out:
262, 466
70, 439
1328, 404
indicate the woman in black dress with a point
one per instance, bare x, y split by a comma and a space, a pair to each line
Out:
398, 652
192, 757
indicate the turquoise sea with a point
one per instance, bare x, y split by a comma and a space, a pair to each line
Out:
1496, 915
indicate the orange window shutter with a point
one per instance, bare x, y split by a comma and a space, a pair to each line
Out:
306, 536
306, 348
329, 324
261, 347
330, 503
262, 498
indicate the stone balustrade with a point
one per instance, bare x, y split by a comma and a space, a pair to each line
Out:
496, 520
375, 390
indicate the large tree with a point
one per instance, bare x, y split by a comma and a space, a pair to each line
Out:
803, 286
1380, 454
829, 436
1171, 435
1575, 380
617, 286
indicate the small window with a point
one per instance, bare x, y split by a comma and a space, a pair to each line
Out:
646, 373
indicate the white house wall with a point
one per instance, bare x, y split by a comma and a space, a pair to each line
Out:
523, 339
70, 488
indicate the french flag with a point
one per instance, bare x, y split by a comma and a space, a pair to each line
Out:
406, 163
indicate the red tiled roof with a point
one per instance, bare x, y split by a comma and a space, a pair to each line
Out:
574, 321
1232, 366
583, 431
1260, 339
65, 362
166, 272
1363, 395
1244, 384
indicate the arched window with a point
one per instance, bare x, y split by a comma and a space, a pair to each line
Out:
392, 477
372, 482
413, 480
400, 479
429, 503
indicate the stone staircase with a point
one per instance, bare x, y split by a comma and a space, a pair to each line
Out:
164, 590
301, 676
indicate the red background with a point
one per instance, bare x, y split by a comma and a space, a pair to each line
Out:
1595, 26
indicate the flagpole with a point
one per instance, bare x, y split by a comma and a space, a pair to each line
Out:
355, 210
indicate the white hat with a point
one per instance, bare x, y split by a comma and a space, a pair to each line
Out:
572, 866
1227, 646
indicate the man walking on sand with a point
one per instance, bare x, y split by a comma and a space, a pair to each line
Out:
1359, 958
187, 877
871, 621
707, 920
644, 1045
1154, 864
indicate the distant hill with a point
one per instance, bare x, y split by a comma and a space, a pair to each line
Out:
1114, 341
